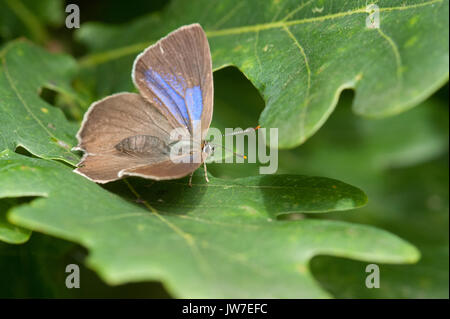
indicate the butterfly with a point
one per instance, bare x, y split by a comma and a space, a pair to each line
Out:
129, 134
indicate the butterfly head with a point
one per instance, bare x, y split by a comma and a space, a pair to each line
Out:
208, 149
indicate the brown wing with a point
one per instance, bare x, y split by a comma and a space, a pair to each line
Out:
162, 170
175, 74
118, 116
123, 132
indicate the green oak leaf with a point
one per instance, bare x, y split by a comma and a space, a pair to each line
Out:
37, 270
408, 139
26, 120
299, 54
402, 164
10, 233
399, 161
356, 149
220, 239
412, 202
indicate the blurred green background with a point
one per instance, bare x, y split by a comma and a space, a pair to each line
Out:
401, 162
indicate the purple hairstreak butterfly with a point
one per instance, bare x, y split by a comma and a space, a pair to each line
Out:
129, 134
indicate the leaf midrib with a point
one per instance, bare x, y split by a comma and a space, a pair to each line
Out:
108, 55
187, 237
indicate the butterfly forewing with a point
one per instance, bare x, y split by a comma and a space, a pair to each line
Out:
175, 75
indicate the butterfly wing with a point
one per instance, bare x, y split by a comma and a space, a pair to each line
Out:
175, 75
124, 132
129, 134
160, 170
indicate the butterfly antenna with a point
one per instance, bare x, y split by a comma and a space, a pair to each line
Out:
227, 149
251, 129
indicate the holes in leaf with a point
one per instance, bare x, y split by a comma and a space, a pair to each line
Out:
237, 103
36, 269
344, 278
23, 151
48, 95
70, 108
8, 202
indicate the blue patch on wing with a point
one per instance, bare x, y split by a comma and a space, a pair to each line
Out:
194, 102
180, 102
168, 96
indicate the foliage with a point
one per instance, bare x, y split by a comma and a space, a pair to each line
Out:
299, 55
289, 235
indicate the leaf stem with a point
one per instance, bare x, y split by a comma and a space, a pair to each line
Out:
32, 23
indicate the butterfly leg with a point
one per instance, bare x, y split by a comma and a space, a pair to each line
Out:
206, 172
190, 179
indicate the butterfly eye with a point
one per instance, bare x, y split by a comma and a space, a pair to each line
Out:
209, 149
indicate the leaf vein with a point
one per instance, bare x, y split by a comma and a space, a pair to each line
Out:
24, 103
308, 70
105, 56
398, 58
188, 238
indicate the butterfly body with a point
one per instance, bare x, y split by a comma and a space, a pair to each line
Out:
158, 133
143, 145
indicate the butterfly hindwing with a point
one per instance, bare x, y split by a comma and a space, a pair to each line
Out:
119, 116
120, 132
